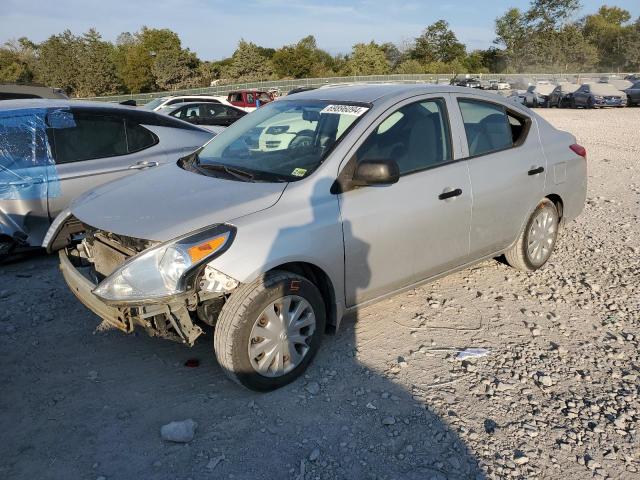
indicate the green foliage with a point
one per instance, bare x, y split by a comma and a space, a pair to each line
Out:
175, 69
438, 43
544, 37
302, 60
367, 59
614, 38
248, 64
58, 61
96, 68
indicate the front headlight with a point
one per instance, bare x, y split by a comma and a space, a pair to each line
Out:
165, 270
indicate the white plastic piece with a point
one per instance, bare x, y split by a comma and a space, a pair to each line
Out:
215, 281
472, 353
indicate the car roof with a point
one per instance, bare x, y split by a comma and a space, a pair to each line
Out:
379, 92
59, 103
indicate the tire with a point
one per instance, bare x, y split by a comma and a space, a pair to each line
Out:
240, 321
519, 255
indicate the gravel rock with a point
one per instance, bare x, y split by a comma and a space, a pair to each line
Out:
388, 421
313, 388
179, 432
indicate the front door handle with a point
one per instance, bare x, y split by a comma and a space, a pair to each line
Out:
143, 164
450, 194
535, 171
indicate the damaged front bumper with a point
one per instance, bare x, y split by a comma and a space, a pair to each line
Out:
171, 320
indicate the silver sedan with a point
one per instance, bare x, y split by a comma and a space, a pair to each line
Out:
314, 206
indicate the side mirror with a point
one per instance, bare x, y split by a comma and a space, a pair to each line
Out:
376, 172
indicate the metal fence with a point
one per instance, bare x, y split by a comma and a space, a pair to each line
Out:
521, 80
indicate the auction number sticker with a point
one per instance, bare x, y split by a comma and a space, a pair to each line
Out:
355, 110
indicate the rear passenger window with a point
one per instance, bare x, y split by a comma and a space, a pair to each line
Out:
518, 127
416, 136
139, 138
487, 127
92, 136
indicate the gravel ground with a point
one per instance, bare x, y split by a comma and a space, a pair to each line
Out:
557, 395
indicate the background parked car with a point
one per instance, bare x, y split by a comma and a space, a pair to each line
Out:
633, 94
52, 151
560, 97
212, 116
12, 91
517, 96
466, 82
538, 95
249, 100
499, 85
163, 102
593, 95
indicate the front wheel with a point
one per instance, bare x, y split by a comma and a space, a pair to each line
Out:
269, 330
536, 242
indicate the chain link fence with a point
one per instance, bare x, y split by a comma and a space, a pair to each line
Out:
283, 86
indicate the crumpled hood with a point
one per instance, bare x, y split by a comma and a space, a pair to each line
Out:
167, 201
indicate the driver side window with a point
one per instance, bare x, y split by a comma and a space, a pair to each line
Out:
415, 136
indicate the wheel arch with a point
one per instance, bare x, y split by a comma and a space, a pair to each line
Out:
557, 201
320, 279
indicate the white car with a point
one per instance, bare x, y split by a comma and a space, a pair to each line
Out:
499, 85
163, 102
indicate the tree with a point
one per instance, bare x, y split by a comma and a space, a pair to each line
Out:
475, 62
392, 53
609, 33
367, 59
551, 14
136, 53
248, 64
96, 67
513, 33
410, 67
18, 61
175, 69
58, 61
438, 43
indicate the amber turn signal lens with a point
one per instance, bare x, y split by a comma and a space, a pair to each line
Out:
198, 252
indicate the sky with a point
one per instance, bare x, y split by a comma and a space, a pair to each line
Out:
212, 28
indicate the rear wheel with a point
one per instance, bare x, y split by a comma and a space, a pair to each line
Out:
536, 242
269, 330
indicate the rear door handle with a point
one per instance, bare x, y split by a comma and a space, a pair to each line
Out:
143, 164
535, 171
450, 194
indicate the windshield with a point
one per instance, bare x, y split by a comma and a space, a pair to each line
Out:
282, 141
153, 103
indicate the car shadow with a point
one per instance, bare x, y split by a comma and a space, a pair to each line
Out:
79, 405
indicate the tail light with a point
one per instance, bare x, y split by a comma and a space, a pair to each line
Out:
579, 150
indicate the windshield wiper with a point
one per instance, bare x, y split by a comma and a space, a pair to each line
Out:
233, 171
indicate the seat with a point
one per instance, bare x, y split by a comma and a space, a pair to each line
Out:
493, 133
425, 144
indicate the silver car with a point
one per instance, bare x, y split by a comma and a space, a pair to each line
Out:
53, 150
379, 188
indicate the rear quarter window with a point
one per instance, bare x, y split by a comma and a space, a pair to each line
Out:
138, 137
91, 137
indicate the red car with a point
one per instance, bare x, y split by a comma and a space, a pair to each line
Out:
249, 100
